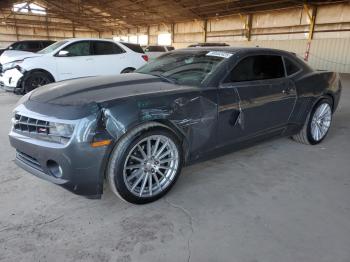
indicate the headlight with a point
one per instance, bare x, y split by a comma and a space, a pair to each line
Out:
60, 133
61, 130
11, 65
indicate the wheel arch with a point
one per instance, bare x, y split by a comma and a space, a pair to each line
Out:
41, 70
323, 96
140, 128
19, 88
128, 68
168, 125
179, 134
331, 96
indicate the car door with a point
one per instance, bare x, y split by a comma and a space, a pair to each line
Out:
256, 98
110, 58
77, 61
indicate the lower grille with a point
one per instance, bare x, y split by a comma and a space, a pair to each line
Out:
29, 160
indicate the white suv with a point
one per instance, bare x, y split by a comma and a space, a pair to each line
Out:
67, 59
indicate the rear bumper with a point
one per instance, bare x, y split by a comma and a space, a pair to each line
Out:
82, 167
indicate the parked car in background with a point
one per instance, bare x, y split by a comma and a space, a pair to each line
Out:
139, 129
153, 51
28, 45
134, 47
208, 44
67, 59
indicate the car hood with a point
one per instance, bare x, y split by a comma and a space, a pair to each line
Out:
13, 55
101, 89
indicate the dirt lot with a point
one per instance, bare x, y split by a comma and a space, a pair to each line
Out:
279, 201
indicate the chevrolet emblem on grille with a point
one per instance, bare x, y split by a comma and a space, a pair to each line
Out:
42, 130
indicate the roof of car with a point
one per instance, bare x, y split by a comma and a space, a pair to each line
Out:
207, 44
93, 39
31, 40
231, 49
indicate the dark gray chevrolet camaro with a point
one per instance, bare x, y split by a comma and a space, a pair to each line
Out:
139, 129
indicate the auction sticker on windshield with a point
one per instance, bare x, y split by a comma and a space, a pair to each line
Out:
219, 54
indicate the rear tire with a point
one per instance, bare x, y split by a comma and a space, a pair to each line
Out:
34, 80
317, 124
144, 167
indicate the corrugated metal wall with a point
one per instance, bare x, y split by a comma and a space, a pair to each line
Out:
287, 30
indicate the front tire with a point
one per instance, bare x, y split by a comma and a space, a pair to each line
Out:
144, 167
317, 124
34, 80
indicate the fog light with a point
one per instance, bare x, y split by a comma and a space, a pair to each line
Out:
54, 169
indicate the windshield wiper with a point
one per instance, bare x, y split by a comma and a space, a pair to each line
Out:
166, 78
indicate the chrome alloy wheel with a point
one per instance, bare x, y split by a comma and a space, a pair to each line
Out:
151, 166
321, 121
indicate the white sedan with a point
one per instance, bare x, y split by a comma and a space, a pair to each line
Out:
68, 59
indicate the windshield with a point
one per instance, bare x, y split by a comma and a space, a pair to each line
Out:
186, 68
52, 47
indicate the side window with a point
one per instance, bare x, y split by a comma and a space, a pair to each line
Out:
106, 48
291, 67
46, 44
78, 49
259, 67
33, 45
26, 46
16, 46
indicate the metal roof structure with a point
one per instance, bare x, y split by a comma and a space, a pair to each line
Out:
104, 15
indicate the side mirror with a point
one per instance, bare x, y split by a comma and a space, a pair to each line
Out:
10, 48
63, 53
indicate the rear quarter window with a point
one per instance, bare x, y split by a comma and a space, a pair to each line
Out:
106, 48
291, 67
134, 47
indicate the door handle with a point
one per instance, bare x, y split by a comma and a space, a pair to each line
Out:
287, 90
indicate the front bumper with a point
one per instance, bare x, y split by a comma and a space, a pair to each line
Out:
82, 167
10, 79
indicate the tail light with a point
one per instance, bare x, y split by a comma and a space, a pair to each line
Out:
145, 57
